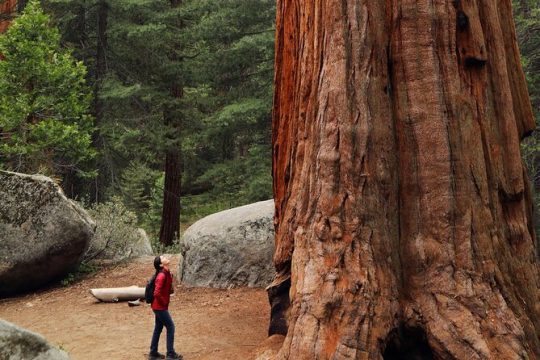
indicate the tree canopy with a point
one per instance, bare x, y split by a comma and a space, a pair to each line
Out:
44, 100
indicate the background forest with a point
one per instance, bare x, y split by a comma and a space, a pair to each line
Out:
134, 104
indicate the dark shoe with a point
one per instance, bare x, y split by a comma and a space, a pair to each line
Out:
174, 356
155, 356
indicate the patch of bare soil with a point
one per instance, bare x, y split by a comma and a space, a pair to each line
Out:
210, 323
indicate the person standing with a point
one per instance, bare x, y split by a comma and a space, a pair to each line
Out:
160, 306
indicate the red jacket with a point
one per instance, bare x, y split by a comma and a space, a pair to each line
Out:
163, 290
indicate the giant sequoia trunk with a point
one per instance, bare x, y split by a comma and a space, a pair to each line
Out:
403, 212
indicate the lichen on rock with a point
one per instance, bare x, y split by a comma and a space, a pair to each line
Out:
43, 234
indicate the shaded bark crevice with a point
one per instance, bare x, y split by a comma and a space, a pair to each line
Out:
278, 296
407, 343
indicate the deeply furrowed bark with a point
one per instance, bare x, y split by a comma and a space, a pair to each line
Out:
402, 205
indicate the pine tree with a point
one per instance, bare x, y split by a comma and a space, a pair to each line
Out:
44, 101
147, 80
235, 74
217, 56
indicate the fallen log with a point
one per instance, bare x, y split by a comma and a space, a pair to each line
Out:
118, 294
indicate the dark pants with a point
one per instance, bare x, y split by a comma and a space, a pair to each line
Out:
163, 318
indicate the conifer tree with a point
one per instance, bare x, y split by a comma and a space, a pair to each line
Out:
44, 101
235, 73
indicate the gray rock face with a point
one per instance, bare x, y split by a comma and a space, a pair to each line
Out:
230, 248
43, 234
142, 247
17, 344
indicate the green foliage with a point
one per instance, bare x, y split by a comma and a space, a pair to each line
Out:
240, 181
222, 121
116, 231
152, 218
137, 188
159, 248
83, 270
195, 77
231, 150
44, 101
527, 19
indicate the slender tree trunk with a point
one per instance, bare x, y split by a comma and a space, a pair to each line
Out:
170, 223
170, 219
98, 105
403, 212
72, 184
101, 60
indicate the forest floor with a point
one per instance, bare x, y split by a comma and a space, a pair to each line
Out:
210, 323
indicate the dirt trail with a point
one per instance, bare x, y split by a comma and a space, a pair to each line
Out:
210, 323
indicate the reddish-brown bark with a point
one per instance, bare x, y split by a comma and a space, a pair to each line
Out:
403, 214
170, 218
8, 9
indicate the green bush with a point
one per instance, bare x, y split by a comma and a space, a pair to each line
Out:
116, 231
